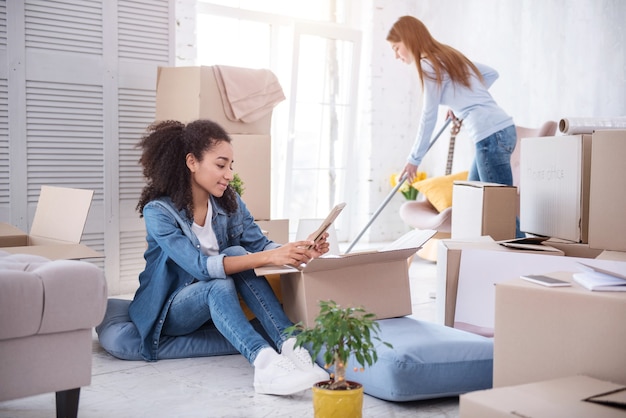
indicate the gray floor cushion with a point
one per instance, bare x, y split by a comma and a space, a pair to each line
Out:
427, 361
119, 337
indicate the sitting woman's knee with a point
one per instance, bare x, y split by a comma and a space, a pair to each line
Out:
235, 250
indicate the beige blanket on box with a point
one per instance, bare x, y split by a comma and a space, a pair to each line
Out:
247, 94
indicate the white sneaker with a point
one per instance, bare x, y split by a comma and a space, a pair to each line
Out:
279, 376
302, 359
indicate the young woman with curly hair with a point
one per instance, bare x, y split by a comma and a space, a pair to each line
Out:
203, 246
449, 78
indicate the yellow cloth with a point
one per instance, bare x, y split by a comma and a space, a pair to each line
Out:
438, 190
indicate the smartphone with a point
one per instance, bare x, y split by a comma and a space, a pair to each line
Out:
317, 235
545, 280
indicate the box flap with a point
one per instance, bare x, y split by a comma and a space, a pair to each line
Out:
339, 261
61, 213
616, 398
11, 236
56, 252
403, 247
359, 258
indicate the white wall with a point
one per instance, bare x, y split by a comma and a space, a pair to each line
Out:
556, 59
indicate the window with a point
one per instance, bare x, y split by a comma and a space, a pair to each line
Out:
317, 65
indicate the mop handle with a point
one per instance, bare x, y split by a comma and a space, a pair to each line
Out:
436, 137
395, 189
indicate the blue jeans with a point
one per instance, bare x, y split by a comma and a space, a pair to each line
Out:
492, 161
217, 300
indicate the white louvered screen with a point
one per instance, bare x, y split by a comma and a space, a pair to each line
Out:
3, 24
64, 137
132, 247
4, 115
144, 42
81, 92
136, 112
67, 26
144, 30
4, 144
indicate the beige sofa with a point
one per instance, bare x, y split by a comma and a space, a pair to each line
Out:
47, 312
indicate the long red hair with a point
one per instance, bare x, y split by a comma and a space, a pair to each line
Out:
444, 59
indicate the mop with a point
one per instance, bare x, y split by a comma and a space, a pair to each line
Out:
394, 190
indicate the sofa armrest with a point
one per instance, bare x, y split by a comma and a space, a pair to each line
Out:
39, 296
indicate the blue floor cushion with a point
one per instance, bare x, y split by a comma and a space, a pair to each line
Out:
427, 361
119, 337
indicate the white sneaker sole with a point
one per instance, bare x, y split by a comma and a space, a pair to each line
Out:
273, 389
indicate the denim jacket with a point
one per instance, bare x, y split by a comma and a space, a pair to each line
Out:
174, 260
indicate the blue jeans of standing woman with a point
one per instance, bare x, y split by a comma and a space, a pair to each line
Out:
492, 161
217, 300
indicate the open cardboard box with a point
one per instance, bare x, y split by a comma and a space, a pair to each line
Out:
572, 397
376, 280
449, 263
480, 269
57, 227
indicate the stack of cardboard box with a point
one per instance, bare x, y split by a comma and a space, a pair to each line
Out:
546, 338
186, 94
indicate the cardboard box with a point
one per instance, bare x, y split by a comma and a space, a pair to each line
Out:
480, 208
567, 397
253, 164
607, 194
448, 266
376, 280
554, 186
57, 227
550, 332
189, 93
479, 270
276, 229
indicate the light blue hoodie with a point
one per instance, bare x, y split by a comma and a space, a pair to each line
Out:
480, 113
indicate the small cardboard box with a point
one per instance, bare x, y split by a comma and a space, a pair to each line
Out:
567, 397
189, 93
253, 164
448, 266
480, 208
550, 332
554, 186
607, 194
376, 280
57, 227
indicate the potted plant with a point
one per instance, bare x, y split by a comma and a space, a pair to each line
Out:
341, 333
237, 184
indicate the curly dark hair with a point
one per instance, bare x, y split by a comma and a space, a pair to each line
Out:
165, 147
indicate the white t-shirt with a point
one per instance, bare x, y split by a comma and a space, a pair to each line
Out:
205, 234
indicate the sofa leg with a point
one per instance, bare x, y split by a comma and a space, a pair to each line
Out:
67, 403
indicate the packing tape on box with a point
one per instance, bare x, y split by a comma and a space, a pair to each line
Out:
575, 126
